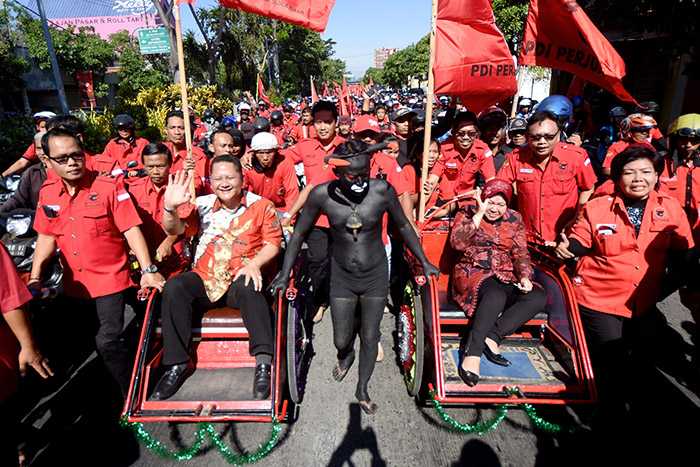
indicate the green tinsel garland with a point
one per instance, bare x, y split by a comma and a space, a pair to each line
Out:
205, 429
478, 428
483, 427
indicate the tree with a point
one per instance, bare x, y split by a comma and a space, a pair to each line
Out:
13, 66
137, 71
376, 74
77, 49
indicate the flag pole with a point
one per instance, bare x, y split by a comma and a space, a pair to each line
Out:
183, 92
428, 114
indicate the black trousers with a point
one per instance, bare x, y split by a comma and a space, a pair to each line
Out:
320, 250
500, 311
185, 293
109, 337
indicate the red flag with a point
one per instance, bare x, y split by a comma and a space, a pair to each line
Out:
371, 82
87, 92
326, 92
311, 14
559, 35
481, 73
261, 92
314, 96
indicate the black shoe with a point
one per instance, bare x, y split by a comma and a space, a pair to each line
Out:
469, 378
496, 358
261, 384
171, 381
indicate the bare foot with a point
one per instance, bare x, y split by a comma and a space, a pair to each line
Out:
342, 366
319, 314
380, 353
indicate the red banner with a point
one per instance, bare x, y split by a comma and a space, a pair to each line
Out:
314, 96
311, 14
472, 60
262, 95
87, 92
559, 35
326, 92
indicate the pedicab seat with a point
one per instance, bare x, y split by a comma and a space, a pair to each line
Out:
220, 322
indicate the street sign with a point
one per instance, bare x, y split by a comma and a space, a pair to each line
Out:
154, 41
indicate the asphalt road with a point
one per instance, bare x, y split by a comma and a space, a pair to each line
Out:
75, 422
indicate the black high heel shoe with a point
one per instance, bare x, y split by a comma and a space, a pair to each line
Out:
469, 378
496, 358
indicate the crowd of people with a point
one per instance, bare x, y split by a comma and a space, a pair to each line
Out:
623, 213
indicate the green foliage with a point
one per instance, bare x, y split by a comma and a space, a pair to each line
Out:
137, 71
303, 54
77, 49
11, 64
16, 134
376, 74
406, 63
511, 16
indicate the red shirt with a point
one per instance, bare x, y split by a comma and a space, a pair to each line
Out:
387, 165
619, 146
460, 170
278, 183
622, 273
301, 132
683, 184
220, 254
280, 133
123, 151
443, 191
548, 199
149, 205
13, 294
103, 164
30, 153
312, 153
201, 166
88, 228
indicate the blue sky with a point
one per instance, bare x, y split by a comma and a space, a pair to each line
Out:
360, 26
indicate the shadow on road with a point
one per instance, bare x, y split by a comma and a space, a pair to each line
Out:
356, 439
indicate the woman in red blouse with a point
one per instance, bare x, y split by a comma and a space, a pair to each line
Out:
491, 280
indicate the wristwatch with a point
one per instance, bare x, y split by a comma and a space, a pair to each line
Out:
152, 269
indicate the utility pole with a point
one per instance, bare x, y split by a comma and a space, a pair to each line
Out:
54, 63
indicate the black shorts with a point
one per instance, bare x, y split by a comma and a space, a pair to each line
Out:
371, 283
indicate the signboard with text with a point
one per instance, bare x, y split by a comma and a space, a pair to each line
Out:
154, 41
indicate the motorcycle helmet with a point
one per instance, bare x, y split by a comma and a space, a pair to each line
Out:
635, 122
686, 126
261, 124
560, 106
276, 117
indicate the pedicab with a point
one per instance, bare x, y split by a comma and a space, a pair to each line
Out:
550, 360
220, 388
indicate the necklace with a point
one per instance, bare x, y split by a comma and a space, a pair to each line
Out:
353, 222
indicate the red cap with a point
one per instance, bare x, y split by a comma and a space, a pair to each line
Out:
366, 122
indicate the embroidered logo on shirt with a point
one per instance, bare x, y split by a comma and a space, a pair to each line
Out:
93, 195
578, 281
660, 212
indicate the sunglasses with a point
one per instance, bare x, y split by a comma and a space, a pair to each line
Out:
539, 137
470, 134
63, 160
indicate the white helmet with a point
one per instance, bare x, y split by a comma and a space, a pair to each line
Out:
243, 106
46, 114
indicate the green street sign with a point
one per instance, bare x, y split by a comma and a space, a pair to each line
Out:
154, 41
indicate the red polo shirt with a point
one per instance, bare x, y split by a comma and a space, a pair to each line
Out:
149, 205
622, 273
30, 153
123, 151
460, 170
548, 199
102, 164
88, 228
13, 294
278, 183
312, 153
682, 182
201, 166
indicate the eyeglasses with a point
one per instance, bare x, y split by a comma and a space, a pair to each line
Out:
539, 137
470, 134
63, 160
688, 132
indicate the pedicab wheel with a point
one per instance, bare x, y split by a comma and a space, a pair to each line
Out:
298, 347
411, 339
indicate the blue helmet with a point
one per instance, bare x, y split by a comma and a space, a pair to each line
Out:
558, 105
228, 120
